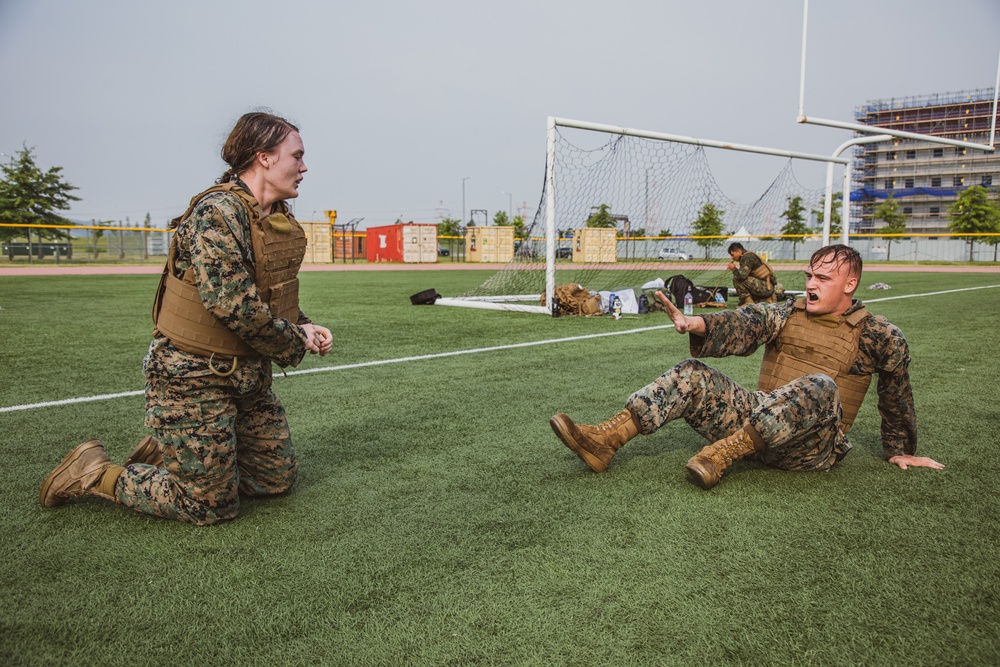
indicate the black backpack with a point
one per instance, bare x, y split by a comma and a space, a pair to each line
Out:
677, 286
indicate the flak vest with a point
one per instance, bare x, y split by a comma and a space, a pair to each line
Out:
818, 345
279, 246
766, 274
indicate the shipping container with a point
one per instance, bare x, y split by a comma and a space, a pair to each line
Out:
595, 245
411, 243
318, 236
349, 245
489, 244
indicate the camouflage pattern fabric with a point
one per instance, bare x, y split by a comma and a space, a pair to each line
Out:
750, 289
217, 443
220, 436
798, 422
215, 244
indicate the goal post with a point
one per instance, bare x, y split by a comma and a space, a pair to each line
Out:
651, 186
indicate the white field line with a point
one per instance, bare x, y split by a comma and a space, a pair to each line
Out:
947, 291
440, 355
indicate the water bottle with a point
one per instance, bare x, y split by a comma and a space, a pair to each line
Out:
616, 307
689, 302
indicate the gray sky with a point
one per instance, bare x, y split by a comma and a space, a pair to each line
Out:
398, 101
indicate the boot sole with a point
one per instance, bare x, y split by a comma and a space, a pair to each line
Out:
562, 427
147, 448
67, 461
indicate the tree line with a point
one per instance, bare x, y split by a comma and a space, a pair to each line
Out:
975, 211
31, 196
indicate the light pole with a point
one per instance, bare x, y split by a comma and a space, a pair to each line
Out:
464, 179
510, 204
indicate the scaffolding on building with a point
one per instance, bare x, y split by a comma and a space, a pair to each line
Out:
924, 177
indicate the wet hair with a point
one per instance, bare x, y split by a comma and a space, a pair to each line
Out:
733, 247
255, 132
839, 254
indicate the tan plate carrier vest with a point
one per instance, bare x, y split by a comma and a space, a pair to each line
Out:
766, 273
805, 346
279, 246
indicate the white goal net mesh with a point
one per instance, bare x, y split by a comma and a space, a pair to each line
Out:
653, 191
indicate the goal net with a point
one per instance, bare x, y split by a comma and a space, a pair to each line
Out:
647, 192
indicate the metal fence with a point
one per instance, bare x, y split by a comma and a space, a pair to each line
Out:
121, 246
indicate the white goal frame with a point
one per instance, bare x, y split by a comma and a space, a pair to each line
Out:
506, 302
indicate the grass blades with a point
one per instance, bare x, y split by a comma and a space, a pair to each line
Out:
437, 520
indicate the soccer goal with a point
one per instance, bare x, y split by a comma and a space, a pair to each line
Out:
621, 208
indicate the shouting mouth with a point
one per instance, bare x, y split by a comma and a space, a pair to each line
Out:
813, 297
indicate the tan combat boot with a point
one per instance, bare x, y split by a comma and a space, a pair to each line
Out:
85, 471
147, 451
706, 467
596, 445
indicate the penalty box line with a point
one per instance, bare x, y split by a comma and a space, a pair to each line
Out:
442, 355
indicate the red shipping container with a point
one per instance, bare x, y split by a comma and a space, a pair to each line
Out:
412, 242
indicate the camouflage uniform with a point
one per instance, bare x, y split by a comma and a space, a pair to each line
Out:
220, 436
750, 289
798, 422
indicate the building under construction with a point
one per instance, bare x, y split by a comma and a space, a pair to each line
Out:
924, 177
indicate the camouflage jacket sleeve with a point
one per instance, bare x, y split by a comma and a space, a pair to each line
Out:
882, 350
214, 243
740, 332
748, 264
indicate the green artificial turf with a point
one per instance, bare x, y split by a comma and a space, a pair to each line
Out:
437, 520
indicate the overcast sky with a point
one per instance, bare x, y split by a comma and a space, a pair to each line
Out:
399, 101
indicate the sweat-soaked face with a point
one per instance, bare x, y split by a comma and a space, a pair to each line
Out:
829, 286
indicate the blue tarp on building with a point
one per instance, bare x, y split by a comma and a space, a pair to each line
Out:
869, 193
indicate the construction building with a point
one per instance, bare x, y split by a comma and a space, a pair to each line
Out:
924, 177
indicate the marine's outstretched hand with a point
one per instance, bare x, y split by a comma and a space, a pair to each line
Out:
682, 323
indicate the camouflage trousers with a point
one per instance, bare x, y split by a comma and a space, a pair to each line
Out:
216, 445
752, 290
799, 422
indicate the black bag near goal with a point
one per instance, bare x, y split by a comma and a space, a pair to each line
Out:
677, 286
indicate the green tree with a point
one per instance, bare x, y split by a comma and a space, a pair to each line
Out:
974, 212
709, 223
602, 217
795, 222
30, 196
637, 233
665, 233
519, 231
835, 218
449, 227
146, 224
98, 234
892, 215
501, 220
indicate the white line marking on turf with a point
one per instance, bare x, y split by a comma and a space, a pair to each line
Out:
71, 401
947, 291
363, 364
441, 355
495, 348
